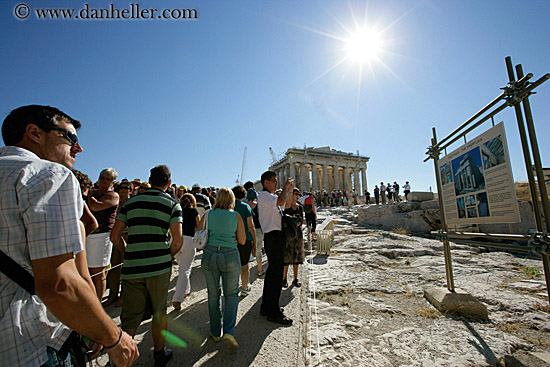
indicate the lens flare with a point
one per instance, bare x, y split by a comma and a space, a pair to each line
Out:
173, 339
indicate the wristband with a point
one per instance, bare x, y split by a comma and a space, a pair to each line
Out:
117, 342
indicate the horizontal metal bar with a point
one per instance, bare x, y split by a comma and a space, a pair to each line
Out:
502, 236
473, 118
504, 246
523, 94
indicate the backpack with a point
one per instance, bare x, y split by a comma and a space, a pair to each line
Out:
308, 207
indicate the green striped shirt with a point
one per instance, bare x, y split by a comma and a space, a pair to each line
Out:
148, 217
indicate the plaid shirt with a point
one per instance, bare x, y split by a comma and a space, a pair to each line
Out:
40, 207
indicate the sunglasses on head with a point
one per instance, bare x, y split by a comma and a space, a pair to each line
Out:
69, 135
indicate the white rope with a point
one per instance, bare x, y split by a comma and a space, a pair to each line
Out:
313, 289
101, 272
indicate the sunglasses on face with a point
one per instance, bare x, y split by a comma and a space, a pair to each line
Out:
69, 135
124, 188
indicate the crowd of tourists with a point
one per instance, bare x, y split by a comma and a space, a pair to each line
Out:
388, 193
65, 240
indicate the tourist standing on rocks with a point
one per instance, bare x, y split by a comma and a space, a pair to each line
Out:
203, 202
294, 250
221, 262
186, 254
250, 244
148, 257
37, 190
396, 191
406, 190
376, 194
274, 242
383, 192
103, 204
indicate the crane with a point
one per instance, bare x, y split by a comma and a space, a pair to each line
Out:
242, 168
273, 156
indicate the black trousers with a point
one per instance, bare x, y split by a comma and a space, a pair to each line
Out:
310, 220
274, 244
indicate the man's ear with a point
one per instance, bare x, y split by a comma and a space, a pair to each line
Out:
34, 133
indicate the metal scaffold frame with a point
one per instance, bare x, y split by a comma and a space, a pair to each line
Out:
516, 95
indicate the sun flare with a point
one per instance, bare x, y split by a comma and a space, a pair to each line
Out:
363, 46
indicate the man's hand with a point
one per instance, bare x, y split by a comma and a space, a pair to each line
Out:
125, 352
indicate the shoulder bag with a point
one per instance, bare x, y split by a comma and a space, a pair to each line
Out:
201, 236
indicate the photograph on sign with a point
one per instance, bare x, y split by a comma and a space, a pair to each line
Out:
477, 182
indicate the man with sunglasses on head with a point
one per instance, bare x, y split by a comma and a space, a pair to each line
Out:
274, 244
40, 230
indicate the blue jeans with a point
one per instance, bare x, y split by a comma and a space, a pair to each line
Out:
222, 262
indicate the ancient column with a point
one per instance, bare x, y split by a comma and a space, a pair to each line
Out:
292, 170
364, 180
336, 178
325, 178
314, 177
346, 178
303, 177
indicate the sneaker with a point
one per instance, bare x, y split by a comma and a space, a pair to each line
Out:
230, 341
285, 283
163, 357
244, 292
177, 305
215, 338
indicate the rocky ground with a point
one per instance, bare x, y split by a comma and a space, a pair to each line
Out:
363, 305
366, 303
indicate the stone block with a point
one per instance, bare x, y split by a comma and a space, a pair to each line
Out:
457, 302
524, 358
421, 196
432, 204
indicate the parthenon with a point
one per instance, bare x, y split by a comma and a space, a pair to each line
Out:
323, 169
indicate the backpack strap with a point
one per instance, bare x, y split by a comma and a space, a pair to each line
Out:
15, 272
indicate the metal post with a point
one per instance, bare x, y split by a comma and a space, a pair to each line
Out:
446, 245
526, 153
536, 154
540, 177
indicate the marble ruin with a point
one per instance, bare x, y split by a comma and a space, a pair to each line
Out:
323, 169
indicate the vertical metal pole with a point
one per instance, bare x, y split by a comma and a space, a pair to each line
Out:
536, 153
540, 176
446, 245
526, 153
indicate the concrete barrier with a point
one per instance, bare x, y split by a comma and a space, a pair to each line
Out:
420, 196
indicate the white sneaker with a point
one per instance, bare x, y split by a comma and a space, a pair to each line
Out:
245, 292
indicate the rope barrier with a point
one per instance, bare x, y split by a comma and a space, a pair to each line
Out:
313, 289
108, 270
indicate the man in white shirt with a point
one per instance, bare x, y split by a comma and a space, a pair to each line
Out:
407, 190
274, 244
40, 230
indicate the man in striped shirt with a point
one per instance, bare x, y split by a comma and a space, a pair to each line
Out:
148, 257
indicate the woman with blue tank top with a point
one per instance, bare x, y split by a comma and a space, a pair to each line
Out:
221, 261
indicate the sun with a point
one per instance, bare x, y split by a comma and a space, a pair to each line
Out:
363, 46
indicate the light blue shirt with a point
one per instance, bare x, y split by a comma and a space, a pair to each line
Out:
222, 228
40, 210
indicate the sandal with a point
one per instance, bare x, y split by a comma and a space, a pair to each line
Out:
296, 283
260, 273
285, 283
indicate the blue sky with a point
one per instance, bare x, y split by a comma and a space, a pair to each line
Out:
193, 94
